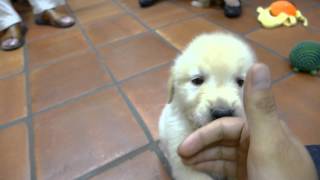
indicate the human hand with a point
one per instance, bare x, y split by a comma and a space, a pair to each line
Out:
222, 147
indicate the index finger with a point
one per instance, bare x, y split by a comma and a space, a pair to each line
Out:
228, 128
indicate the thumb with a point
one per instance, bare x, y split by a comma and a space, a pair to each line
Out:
259, 103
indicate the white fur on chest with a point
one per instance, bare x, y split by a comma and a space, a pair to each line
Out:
173, 129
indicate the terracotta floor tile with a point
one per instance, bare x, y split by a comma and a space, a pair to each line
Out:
283, 39
301, 5
155, 16
187, 5
11, 61
182, 33
56, 46
14, 151
106, 9
256, 3
140, 54
298, 101
36, 32
313, 17
112, 29
80, 4
79, 137
245, 23
131, 4
278, 66
148, 93
145, 166
13, 100
66, 79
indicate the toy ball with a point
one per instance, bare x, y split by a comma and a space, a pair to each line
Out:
305, 57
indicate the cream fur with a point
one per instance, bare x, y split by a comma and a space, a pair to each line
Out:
218, 57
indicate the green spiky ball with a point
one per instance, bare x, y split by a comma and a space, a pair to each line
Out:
305, 57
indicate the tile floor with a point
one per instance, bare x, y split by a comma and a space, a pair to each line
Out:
84, 102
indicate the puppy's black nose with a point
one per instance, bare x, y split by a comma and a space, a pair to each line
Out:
221, 112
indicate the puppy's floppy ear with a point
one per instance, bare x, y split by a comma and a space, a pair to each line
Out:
171, 88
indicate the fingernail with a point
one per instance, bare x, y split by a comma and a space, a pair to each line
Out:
261, 77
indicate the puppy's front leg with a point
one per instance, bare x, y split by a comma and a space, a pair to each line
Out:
173, 129
183, 172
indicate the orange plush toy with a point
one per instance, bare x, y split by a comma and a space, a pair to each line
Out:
280, 13
283, 6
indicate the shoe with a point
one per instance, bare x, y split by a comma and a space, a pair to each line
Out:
54, 18
232, 11
146, 3
13, 37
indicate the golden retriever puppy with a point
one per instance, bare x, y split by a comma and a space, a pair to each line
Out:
206, 83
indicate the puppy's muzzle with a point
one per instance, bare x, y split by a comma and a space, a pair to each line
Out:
221, 112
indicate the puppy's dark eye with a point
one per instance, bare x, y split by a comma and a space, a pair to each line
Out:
197, 81
240, 82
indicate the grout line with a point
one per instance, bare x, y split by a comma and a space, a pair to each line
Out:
115, 162
12, 123
136, 115
31, 149
283, 78
60, 59
177, 21
11, 74
165, 41
133, 110
131, 107
148, 70
139, 119
29, 114
254, 29
86, 94
225, 27
96, 4
273, 52
123, 40
162, 158
47, 35
152, 144
108, 71
314, 29
75, 99
93, 21
308, 9
153, 31
131, 12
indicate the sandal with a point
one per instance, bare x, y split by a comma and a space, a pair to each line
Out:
13, 37
232, 11
53, 18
